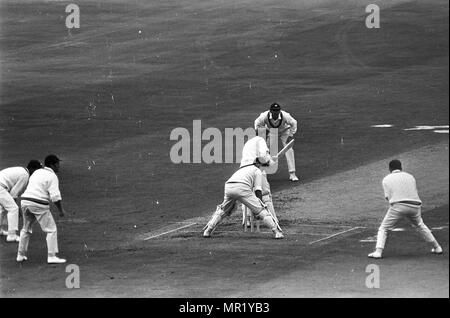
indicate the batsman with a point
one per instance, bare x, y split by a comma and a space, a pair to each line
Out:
245, 186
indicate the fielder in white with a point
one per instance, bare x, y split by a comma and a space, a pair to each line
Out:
13, 182
245, 186
287, 127
400, 190
42, 189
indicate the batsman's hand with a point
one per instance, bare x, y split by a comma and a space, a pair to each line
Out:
288, 140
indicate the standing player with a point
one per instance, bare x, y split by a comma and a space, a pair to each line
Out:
401, 191
287, 127
13, 182
42, 189
245, 186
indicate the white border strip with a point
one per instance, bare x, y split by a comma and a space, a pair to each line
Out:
336, 234
167, 232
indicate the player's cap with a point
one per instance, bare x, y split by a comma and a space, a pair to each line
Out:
275, 106
51, 159
34, 165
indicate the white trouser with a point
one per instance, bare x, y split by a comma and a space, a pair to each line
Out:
33, 212
290, 158
395, 213
240, 192
8, 206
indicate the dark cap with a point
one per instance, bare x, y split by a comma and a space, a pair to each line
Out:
51, 159
34, 165
275, 106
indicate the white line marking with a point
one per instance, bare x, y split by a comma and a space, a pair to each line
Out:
382, 126
336, 234
167, 232
440, 228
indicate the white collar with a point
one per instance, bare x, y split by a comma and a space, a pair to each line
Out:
396, 171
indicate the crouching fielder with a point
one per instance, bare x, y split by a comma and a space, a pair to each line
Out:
42, 189
240, 188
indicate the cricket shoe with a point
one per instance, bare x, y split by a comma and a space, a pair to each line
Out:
14, 238
437, 250
21, 258
55, 260
293, 177
3, 233
278, 235
375, 255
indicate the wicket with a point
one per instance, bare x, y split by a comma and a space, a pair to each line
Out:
249, 219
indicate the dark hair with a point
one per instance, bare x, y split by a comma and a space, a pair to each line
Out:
34, 165
395, 165
51, 160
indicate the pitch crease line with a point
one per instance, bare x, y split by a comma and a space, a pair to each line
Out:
336, 234
167, 232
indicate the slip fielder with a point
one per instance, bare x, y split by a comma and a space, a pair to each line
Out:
13, 182
42, 189
287, 127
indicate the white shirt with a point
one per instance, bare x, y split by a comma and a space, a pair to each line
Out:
250, 176
14, 180
255, 147
400, 186
43, 185
288, 122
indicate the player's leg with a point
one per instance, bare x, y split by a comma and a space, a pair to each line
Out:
415, 217
267, 196
48, 225
222, 210
290, 157
259, 209
3, 221
28, 221
389, 221
12, 210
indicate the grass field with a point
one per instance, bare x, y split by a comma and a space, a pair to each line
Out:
106, 97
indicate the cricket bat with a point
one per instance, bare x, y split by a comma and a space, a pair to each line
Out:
286, 148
